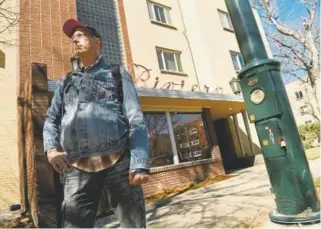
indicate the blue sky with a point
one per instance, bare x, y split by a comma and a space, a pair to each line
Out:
290, 13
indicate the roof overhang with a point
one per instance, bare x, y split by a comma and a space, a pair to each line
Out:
155, 99
221, 105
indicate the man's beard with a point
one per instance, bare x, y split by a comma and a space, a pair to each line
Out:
80, 51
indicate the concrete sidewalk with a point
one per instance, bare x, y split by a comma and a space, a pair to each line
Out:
243, 201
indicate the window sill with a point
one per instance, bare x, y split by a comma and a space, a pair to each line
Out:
163, 24
173, 73
181, 165
229, 30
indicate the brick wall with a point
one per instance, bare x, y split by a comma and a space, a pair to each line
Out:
29, 150
39, 174
9, 156
41, 40
41, 37
175, 176
45, 190
125, 37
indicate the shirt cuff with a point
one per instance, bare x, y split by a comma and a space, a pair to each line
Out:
142, 163
50, 145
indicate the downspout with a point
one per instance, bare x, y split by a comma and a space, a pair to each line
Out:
188, 42
23, 176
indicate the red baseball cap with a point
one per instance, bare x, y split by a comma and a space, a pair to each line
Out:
71, 24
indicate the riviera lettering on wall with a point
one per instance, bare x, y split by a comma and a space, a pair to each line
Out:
143, 76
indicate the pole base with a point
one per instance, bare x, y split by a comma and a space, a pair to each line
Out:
306, 217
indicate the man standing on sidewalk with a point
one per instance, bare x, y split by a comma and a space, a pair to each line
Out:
96, 118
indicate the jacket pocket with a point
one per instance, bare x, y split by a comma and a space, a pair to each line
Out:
68, 135
105, 89
107, 124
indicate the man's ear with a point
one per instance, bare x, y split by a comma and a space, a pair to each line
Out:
98, 44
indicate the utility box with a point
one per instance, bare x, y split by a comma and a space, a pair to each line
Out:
272, 139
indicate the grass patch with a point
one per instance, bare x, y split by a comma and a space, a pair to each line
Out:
313, 154
177, 190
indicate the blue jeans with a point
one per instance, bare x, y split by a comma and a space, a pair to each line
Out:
82, 192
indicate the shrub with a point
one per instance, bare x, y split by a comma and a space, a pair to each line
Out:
306, 145
309, 132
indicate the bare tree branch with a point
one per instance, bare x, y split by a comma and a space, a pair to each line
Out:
9, 18
311, 10
2, 2
295, 43
299, 55
281, 28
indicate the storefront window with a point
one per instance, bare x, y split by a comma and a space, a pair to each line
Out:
160, 148
190, 137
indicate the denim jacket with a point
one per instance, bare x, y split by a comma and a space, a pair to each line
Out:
94, 121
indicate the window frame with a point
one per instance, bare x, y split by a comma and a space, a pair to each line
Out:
163, 68
240, 60
168, 128
193, 131
302, 110
299, 95
152, 14
2, 59
174, 146
226, 14
194, 142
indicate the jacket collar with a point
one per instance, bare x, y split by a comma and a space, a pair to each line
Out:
99, 62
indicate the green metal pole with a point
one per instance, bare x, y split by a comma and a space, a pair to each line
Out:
268, 107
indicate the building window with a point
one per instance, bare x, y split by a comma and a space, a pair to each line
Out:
169, 60
160, 149
304, 109
190, 137
225, 20
237, 60
188, 141
2, 59
308, 122
193, 131
159, 13
299, 95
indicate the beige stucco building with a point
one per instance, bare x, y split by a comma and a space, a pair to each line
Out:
303, 102
193, 30
9, 159
199, 36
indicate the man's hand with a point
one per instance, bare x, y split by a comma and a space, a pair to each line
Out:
138, 179
58, 160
